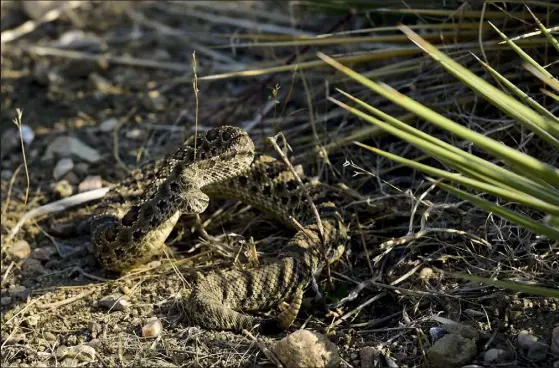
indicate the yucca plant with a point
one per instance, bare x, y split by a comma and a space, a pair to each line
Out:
521, 179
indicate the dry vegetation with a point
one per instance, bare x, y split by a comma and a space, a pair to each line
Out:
257, 68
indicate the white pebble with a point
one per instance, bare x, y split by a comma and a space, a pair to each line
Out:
108, 125
63, 166
90, 183
153, 328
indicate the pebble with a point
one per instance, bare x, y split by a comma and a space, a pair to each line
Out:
5, 300
63, 189
108, 125
33, 267
84, 353
462, 330
72, 178
81, 168
63, 166
426, 273
49, 336
555, 341
90, 183
19, 292
20, 249
305, 348
533, 349
32, 321
115, 302
95, 328
153, 328
497, 356
368, 356
134, 133
6, 174
452, 350
67, 146
43, 254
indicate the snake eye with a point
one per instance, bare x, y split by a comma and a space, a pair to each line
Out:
212, 134
131, 216
228, 134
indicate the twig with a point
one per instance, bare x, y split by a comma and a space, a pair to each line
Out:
10, 186
236, 22
267, 352
103, 58
31, 25
65, 301
196, 90
17, 122
272, 140
57, 206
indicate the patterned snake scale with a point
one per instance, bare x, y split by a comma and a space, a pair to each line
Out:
135, 218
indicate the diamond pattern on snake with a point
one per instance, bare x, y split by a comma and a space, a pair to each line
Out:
135, 218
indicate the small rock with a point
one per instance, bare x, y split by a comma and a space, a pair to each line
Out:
33, 267
19, 292
81, 168
42, 254
462, 330
153, 328
436, 333
66, 146
134, 133
95, 328
32, 321
533, 349
305, 348
84, 353
452, 351
5, 300
556, 364
6, 174
115, 302
11, 139
90, 183
63, 188
20, 249
49, 336
63, 166
555, 340
108, 125
72, 178
427, 273
497, 356
368, 356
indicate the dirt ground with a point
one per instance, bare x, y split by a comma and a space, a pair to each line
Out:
130, 111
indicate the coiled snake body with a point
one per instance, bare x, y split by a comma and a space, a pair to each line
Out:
135, 218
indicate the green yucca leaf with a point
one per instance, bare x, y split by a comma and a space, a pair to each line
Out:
513, 196
523, 288
527, 99
505, 213
444, 151
547, 172
545, 31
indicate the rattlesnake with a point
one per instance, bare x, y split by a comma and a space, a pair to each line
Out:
135, 218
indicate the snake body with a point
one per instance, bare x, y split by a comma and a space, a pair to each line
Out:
135, 218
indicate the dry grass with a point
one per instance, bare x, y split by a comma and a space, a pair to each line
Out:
258, 69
